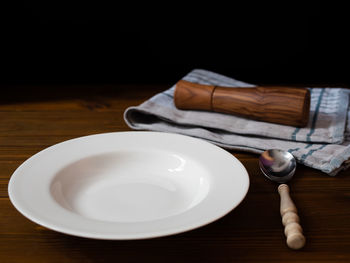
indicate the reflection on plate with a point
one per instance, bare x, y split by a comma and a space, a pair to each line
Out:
128, 185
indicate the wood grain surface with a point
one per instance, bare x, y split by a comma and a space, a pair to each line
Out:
276, 104
33, 118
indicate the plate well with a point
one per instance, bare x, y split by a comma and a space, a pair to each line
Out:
130, 186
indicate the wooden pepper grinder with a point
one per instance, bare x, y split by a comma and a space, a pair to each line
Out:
283, 105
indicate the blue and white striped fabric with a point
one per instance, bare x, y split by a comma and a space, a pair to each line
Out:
324, 144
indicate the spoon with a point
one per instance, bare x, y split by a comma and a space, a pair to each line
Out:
279, 166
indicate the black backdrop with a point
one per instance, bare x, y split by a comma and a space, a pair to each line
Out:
275, 42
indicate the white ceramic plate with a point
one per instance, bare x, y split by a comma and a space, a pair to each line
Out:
128, 185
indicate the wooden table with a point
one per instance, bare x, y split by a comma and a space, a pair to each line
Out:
33, 118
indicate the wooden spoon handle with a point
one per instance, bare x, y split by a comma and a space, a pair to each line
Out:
290, 219
283, 105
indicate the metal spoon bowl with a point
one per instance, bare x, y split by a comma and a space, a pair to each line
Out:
277, 165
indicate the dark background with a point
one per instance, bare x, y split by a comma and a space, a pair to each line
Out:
276, 42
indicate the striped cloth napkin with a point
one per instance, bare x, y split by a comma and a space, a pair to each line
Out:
324, 144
